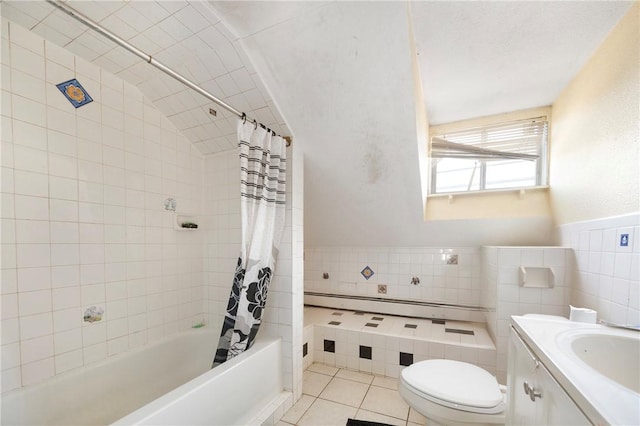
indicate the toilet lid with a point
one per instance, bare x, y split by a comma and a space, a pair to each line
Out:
455, 382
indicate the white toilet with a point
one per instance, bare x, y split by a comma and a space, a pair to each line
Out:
453, 393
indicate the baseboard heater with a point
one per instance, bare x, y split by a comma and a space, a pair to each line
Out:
400, 307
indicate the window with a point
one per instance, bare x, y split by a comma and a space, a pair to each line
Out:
509, 155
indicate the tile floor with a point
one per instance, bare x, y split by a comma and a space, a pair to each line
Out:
332, 395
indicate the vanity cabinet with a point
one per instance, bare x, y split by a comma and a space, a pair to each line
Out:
534, 396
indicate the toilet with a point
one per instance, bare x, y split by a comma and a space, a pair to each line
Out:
451, 392
455, 393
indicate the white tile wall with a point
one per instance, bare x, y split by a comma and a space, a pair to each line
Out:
395, 266
83, 221
607, 275
222, 232
505, 297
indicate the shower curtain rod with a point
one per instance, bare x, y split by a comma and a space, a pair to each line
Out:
150, 60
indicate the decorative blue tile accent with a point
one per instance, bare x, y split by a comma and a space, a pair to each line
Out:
367, 272
624, 240
74, 92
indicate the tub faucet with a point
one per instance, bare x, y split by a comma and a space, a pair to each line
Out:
625, 326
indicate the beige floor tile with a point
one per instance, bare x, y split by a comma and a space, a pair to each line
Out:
385, 382
345, 392
327, 413
416, 417
370, 416
385, 401
314, 383
355, 376
323, 369
299, 408
283, 423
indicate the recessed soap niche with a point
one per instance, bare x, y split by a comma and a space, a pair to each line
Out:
186, 222
536, 277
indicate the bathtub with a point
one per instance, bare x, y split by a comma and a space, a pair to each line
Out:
169, 382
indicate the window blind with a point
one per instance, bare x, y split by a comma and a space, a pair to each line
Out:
495, 156
514, 140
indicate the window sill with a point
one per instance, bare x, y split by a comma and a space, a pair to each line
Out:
522, 192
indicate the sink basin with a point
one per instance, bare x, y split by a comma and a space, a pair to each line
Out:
610, 354
598, 366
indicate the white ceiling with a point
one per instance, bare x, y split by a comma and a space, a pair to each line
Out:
340, 74
488, 57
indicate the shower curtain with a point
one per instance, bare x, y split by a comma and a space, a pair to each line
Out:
262, 210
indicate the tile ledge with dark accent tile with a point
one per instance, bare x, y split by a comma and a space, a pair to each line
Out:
459, 331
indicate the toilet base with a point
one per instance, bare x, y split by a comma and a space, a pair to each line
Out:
439, 415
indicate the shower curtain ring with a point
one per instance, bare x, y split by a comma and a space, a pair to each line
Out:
244, 118
255, 125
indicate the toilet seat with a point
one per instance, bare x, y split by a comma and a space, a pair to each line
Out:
454, 384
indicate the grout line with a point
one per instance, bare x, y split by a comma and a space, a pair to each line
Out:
315, 398
360, 407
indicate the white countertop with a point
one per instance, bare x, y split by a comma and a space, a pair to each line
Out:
602, 400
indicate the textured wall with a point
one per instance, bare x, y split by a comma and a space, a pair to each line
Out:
595, 137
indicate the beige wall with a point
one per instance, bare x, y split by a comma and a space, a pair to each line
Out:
595, 136
490, 205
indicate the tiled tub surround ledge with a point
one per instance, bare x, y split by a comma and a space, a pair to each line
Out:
396, 306
384, 344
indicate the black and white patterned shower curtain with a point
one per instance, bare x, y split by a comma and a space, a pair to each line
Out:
262, 209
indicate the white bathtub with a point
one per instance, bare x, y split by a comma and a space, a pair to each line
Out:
169, 382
